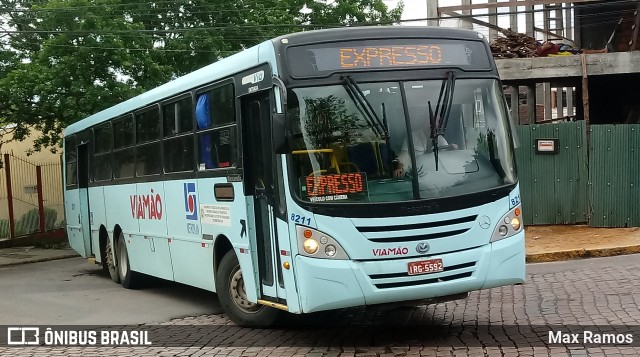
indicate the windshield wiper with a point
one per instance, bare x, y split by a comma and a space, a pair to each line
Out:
365, 107
439, 119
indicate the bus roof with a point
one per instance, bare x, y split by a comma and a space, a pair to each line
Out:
251, 56
217, 70
347, 33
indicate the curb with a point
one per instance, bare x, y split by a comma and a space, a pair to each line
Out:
530, 258
38, 260
581, 254
54, 236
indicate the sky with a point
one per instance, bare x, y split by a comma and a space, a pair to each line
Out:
417, 9
412, 8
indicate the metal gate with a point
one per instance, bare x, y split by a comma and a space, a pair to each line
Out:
30, 197
553, 183
614, 173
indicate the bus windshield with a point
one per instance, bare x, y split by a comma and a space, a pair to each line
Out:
372, 142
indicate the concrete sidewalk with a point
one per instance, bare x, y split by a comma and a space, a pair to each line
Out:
564, 242
31, 254
543, 244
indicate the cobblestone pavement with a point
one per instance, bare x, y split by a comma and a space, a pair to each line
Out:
597, 295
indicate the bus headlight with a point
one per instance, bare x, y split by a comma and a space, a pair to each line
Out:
508, 225
515, 223
316, 244
310, 245
330, 250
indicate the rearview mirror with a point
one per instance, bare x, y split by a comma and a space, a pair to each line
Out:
514, 130
280, 133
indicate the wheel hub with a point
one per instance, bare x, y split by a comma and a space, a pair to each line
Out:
123, 262
239, 294
109, 254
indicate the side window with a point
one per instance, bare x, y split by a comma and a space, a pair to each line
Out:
123, 150
218, 148
148, 125
148, 142
103, 135
178, 117
215, 119
178, 142
70, 161
123, 132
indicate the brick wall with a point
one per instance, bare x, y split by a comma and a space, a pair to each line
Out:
524, 118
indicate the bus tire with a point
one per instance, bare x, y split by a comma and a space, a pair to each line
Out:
233, 299
109, 263
128, 278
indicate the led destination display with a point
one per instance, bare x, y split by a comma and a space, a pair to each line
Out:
315, 60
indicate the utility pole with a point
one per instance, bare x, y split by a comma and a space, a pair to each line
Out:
466, 24
432, 12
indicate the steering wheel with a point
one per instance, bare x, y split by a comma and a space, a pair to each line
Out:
448, 147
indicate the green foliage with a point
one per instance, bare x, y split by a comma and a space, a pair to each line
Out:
328, 121
4, 228
68, 59
30, 223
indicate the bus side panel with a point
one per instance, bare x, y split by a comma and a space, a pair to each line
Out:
191, 253
287, 241
74, 223
98, 218
289, 282
149, 251
228, 217
120, 206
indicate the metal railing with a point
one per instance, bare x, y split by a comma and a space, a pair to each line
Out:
31, 198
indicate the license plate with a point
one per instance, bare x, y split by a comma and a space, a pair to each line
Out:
425, 267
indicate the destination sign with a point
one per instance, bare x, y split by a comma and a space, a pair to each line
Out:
359, 57
324, 59
334, 187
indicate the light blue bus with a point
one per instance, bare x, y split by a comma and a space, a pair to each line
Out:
318, 170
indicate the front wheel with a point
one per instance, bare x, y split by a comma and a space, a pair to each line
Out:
129, 279
233, 297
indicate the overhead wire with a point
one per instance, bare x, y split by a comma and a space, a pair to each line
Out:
135, 33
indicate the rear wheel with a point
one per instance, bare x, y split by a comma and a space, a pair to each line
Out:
128, 278
108, 262
233, 296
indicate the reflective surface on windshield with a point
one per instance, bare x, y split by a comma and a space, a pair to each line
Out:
351, 148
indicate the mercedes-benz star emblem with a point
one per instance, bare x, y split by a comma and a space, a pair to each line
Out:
485, 222
422, 247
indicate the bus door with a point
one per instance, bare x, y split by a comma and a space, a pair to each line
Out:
78, 219
258, 179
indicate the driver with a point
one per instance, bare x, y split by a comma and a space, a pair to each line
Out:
422, 145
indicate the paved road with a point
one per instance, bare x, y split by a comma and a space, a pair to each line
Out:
71, 291
599, 295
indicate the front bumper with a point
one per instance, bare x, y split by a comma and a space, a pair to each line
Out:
332, 284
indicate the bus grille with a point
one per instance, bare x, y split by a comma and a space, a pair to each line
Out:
449, 273
394, 236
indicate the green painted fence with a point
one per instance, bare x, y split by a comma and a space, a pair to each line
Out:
614, 174
554, 187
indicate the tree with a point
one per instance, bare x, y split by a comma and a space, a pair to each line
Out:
73, 58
